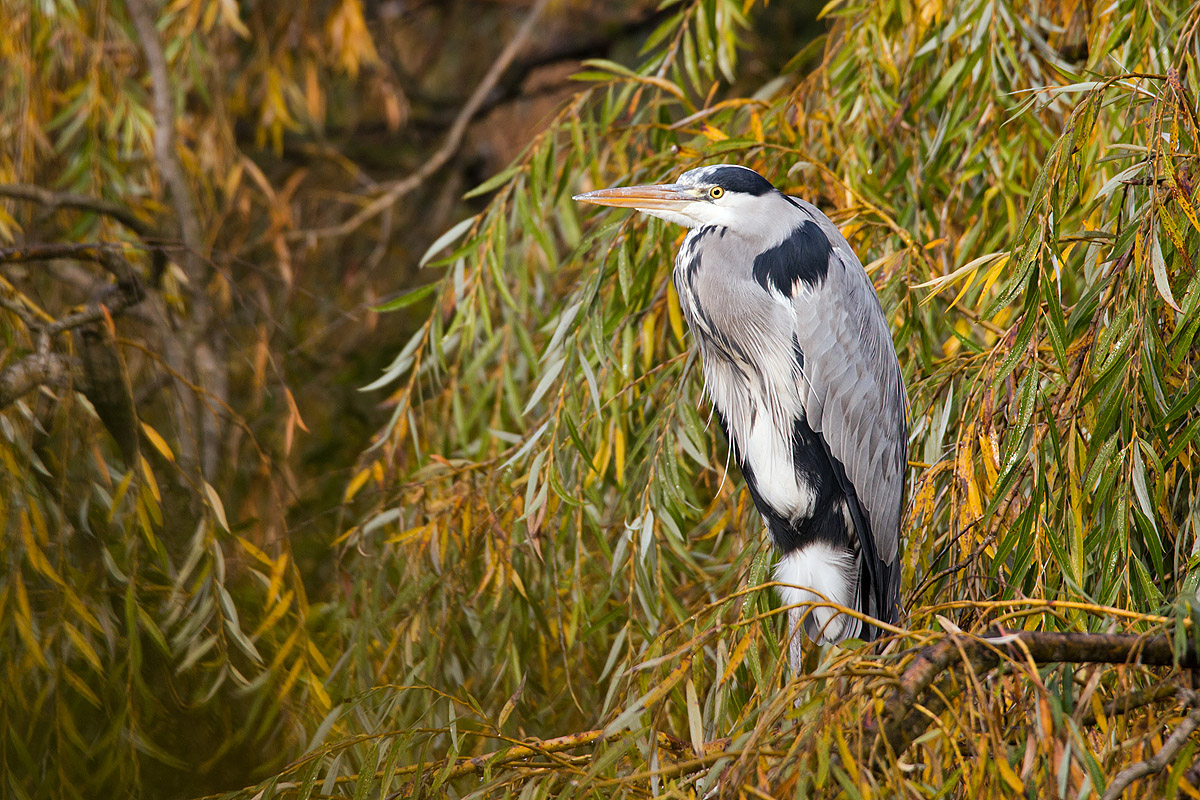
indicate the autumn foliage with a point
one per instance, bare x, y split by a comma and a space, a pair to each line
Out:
345, 455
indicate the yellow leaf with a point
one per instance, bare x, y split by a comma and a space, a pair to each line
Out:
151, 484
80, 686
619, 453
661, 691
276, 613
1006, 772
356, 483
674, 313
119, 494
160, 444
24, 622
79, 608
37, 559
649, 326
254, 551
518, 584
991, 459
290, 680
322, 696
229, 15
735, 658
294, 410
405, 536
84, 647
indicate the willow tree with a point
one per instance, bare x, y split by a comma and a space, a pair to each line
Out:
555, 585
552, 548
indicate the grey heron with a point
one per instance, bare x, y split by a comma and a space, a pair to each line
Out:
800, 367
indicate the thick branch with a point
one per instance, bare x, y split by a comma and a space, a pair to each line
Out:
195, 353
939, 666
164, 141
79, 202
39, 369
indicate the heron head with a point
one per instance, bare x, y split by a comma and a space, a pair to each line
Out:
726, 195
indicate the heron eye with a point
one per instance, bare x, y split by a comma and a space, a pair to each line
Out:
716, 192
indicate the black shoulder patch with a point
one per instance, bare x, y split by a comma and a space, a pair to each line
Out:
740, 179
803, 256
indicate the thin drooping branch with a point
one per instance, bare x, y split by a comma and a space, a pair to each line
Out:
935, 676
454, 136
78, 202
1159, 761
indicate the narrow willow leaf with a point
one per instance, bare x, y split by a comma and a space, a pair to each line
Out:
214, 502
548, 377
494, 182
1158, 266
408, 298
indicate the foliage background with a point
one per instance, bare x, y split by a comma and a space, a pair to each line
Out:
524, 529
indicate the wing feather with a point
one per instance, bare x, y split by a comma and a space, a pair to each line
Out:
855, 396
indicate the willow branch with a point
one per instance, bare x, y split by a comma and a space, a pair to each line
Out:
1157, 762
194, 352
77, 202
39, 369
106, 255
454, 137
934, 677
164, 140
1129, 702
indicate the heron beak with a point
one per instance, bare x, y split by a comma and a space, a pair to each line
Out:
666, 197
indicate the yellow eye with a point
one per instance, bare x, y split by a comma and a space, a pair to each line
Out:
716, 192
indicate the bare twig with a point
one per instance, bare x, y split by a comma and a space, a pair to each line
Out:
114, 304
453, 141
79, 202
106, 255
1159, 761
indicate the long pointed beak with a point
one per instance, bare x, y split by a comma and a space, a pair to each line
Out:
667, 196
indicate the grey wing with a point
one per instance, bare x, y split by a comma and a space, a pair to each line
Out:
855, 391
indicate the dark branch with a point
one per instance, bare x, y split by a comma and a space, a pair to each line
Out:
1128, 702
936, 675
127, 292
78, 202
107, 256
